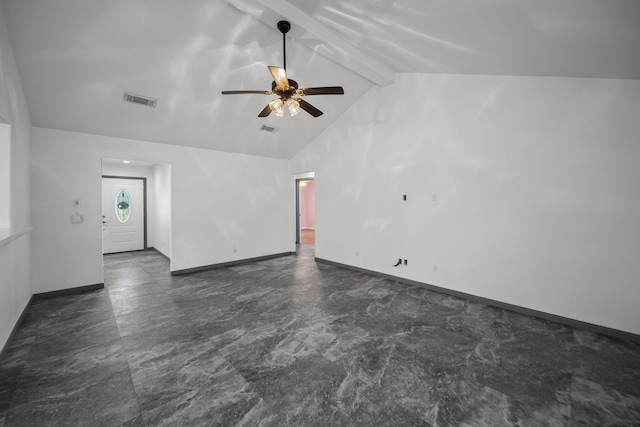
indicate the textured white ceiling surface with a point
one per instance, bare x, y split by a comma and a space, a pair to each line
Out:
76, 58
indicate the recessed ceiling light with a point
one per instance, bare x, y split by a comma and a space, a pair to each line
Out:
126, 161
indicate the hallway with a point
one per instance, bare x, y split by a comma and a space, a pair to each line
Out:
289, 341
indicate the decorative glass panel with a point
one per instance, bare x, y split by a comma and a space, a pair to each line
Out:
123, 205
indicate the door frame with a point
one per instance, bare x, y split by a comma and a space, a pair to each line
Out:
144, 201
310, 178
298, 209
295, 210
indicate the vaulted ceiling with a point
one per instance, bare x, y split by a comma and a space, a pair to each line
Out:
76, 58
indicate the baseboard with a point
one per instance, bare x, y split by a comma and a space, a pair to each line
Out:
5, 347
68, 291
498, 304
229, 264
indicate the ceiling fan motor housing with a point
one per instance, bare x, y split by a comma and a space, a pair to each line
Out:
292, 83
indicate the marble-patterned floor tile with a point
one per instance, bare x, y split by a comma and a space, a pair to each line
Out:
96, 301
218, 316
303, 393
72, 332
89, 383
17, 351
158, 301
595, 404
143, 321
10, 377
249, 348
168, 282
247, 268
288, 341
126, 276
533, 368
313, 338
379, 385
188, 289
180, 329
139, 290
185, 382
610, 362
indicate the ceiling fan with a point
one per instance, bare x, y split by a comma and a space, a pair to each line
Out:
286, 88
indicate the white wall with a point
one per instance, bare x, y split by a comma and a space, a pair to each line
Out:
15, 242
5, 173
162, 209
225, 206
520, 189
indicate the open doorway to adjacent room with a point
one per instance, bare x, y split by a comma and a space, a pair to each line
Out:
305, 211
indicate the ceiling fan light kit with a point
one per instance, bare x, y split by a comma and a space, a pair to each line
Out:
286, 88
277, 107
294, 106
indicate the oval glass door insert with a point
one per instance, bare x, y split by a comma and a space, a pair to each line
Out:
123, 205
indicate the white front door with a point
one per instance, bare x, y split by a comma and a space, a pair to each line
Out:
122, 215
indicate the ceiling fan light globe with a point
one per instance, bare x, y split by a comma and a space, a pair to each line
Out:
294, 106
277, 106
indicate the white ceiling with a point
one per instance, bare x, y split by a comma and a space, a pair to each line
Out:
76, 58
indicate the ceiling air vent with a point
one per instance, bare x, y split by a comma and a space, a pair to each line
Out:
268, 128
141, 100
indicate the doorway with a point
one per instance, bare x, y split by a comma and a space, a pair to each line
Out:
305, 212
124, 214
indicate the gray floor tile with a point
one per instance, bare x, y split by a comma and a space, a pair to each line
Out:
288, 341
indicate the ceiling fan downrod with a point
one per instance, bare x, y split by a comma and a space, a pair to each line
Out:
284, 27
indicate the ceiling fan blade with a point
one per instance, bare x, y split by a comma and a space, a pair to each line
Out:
265, 112
309, 108
279, 76
329, 90
238, 92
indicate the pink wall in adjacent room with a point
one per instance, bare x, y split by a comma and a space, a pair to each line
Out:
307, 203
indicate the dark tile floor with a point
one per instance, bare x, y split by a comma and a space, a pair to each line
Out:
291, 342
